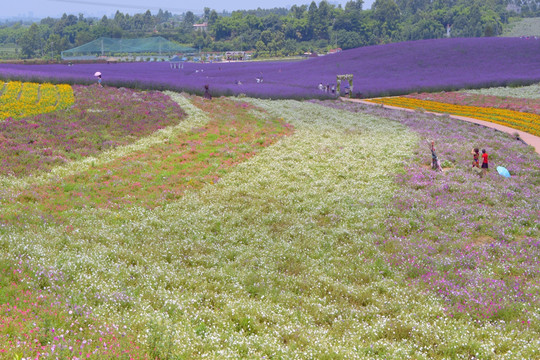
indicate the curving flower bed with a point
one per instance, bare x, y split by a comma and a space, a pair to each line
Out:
527, 122
519, 104
100, 119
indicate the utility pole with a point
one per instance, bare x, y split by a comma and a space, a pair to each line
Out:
334, 33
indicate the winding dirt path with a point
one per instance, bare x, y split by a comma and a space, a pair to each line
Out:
527, 138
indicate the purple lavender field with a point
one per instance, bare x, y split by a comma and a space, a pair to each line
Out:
442, 64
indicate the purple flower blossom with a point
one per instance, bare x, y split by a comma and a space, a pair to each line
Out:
472, 241
385, 69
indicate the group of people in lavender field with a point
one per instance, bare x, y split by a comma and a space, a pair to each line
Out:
482, 169
327, 89
331, 89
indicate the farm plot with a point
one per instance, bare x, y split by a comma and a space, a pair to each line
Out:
20, 100
522, 92
100, 119
311, 247
470, 98
524, 121
454, 234
383, 70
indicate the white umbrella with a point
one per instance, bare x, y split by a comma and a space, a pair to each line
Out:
97, 73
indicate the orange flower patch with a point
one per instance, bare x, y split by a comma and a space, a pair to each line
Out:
526, 122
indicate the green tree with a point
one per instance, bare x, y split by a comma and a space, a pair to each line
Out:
386, 12
298, 11
311, 21
354, 6
54, 45
148, 20
425, 28
189, 18
349, 39
324, 18
30, 41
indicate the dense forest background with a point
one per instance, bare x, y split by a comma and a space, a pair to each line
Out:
275, 32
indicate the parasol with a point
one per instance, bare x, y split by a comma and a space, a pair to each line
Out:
503, 171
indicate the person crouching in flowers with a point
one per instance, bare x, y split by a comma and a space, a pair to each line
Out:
484, 162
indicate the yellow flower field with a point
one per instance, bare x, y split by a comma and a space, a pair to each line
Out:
526, 122
18, 100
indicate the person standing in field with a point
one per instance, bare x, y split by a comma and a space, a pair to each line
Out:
99, 80
435, 164
485, 165
207, 94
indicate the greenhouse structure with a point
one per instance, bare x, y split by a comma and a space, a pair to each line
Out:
152, 47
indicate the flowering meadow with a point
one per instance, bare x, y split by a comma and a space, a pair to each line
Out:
152, 177
522, 92
475, 243
527, 105
100, 119
253, 228
525, 121
19, 100
391, 69
37, 324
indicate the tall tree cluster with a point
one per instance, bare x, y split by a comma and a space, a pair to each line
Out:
279, 31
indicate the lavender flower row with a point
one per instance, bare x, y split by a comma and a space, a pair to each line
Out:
427, 65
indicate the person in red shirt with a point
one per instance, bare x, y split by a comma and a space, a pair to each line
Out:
484, 162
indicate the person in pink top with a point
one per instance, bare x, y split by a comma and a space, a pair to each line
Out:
476, 158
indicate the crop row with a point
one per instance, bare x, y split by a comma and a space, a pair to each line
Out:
161, 173
384, 70
99, 120
527, 122
527, 105
27, 99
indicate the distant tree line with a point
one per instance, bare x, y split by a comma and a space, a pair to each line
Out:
279, 31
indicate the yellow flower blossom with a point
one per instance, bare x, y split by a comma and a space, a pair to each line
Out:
27, 99
526, 122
